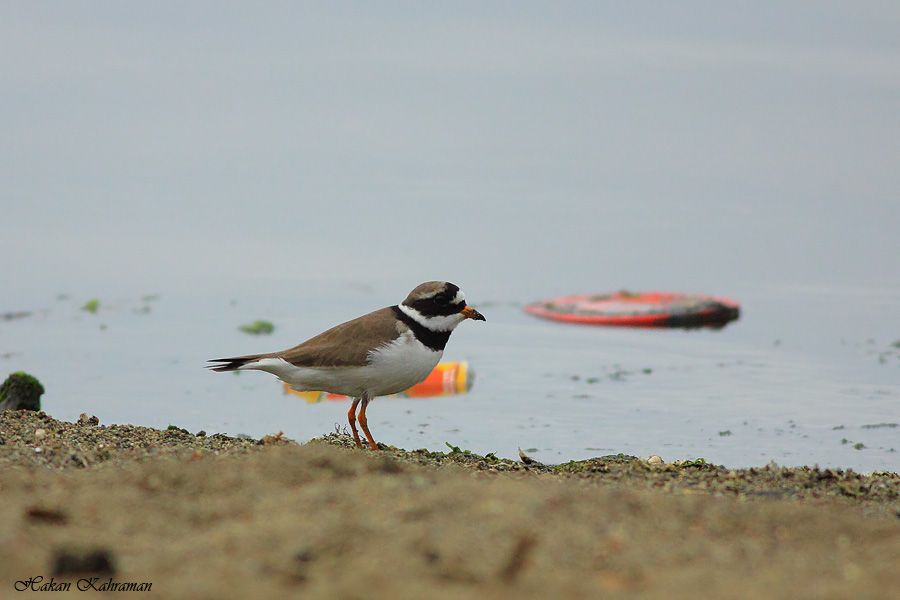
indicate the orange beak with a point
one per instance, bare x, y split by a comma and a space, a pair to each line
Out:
470, 313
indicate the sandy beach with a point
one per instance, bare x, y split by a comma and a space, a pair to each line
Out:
201, 516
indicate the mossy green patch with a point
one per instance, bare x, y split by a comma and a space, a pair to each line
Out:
91, 306
457, 450
258, 328
21, 391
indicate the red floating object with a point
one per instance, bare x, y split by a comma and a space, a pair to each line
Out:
645, 309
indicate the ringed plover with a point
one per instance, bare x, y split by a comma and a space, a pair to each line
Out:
383, 352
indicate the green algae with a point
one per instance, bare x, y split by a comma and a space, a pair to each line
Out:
258, 328
21, 391
91, 306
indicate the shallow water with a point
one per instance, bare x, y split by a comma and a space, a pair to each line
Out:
764, 388
307, 165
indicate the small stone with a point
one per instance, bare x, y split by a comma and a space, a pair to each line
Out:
21, 391
655, 459
82, 562
39, 434
46, 515
525, 458
87, 419
271, 439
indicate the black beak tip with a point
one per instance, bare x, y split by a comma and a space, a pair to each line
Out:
479, 317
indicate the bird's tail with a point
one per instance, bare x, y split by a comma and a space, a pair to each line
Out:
232, 364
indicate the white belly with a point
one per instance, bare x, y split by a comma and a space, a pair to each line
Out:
391, 369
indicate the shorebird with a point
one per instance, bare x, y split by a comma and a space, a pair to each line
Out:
384, 352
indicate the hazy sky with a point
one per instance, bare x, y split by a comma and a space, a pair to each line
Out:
519, 148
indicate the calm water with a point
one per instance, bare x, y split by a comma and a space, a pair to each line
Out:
308, 163
787, 382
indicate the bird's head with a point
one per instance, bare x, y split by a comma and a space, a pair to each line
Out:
439, 306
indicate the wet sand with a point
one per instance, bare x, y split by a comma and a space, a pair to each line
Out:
202, 516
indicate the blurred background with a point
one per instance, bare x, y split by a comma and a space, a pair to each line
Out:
195, 166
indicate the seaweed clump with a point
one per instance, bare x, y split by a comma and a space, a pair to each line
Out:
21, 391
258, 328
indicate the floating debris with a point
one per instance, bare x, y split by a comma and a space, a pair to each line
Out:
91, 306
619, 375
258, 328
630, 309
14, 315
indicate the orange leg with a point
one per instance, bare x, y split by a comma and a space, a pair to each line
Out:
351, 416
364, 423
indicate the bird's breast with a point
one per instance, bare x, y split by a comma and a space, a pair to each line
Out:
401, 364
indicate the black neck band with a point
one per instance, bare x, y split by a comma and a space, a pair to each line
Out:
436, 340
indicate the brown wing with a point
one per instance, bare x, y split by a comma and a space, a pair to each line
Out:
347, 344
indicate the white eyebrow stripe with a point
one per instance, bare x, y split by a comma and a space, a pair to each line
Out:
460, 297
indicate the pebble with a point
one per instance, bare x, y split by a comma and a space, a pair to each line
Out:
123, 444
39, 434
88, 419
